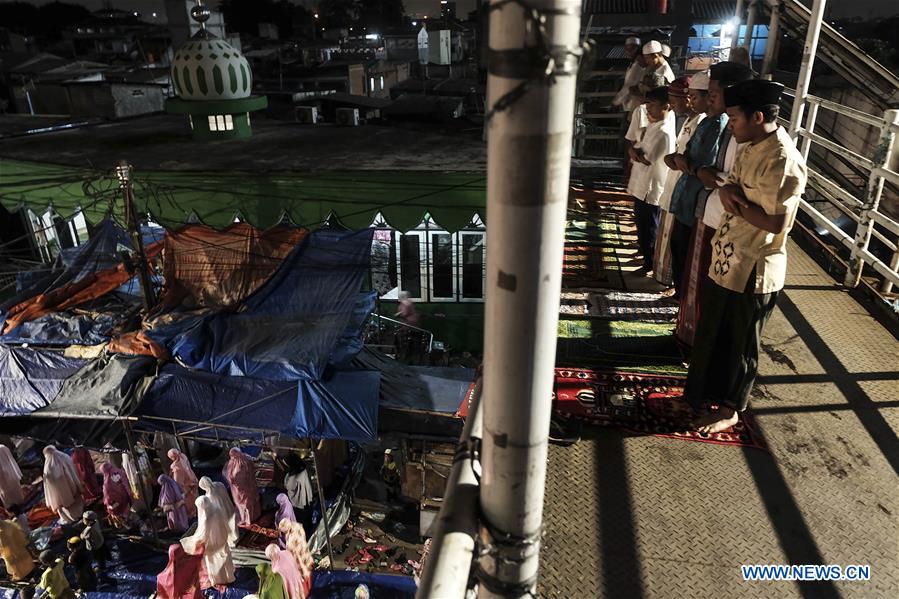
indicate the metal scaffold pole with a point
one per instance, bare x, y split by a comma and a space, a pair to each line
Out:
808, 63
123, 171
533, 58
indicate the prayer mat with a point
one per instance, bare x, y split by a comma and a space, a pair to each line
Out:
634, 306
639, 403
618, 344
588, 265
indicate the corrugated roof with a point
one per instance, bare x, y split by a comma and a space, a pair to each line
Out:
714, 11
611, 7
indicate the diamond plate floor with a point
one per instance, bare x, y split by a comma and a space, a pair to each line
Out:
643, 517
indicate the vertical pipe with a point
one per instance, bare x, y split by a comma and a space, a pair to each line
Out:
882, 155
125, 183
446, 573
773, 41
528, 162
808, 63
887, 285
321, 502
750, 25
738, 18
809, 128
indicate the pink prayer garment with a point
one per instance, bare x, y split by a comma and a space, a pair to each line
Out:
10, 480
181, 577
84, 464
116, 493
240, 474
284, 564
62, 487
185, 477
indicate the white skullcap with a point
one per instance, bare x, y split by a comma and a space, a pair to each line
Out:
700, 81
666, 50
632, 41
652, 47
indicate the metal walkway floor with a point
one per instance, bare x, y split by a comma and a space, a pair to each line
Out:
645, 517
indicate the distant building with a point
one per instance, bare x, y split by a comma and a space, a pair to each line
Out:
117, 35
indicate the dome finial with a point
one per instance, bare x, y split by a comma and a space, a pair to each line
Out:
200, 13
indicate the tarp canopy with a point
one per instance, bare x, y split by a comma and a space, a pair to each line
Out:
86, 292
354, 198
427, 388
205, 268
216, 406
31, 378
289, 327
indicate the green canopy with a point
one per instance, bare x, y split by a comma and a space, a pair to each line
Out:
174, 198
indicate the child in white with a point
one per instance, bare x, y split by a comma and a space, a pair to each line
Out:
649, 171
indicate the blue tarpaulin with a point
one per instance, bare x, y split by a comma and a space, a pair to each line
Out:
240, 407
288, 329
31, 378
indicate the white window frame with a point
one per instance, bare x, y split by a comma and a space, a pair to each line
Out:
461, 263
455, 268
212, 124
422, 260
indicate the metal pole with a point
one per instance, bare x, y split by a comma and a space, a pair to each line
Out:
809, 128
808, 63
882, 154
738, 18
528, 163
773, 40
447, 571
887, 285
124, 173
750, 25
321, 502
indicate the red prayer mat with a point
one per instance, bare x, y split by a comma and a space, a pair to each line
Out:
640, 403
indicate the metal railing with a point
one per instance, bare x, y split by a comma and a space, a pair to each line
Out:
863, 208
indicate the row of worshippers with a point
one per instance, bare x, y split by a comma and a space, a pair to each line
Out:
717, 185
71, 482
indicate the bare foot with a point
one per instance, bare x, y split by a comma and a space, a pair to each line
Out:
716, 421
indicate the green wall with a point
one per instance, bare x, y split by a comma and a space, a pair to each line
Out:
461, 325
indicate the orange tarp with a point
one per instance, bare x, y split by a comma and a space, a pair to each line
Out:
220, 269
68, 296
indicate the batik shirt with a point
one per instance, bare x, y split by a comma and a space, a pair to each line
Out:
772, 175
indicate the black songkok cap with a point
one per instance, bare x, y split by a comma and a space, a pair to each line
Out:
753, 94
729, 72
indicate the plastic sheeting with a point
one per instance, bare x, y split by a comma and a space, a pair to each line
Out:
31, 378
428, 388
233, 404
344, 407
236, 407
289, 327
220, 269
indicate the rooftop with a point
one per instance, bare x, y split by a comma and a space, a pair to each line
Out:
163, 142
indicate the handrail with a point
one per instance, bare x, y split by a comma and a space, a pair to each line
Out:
409, 326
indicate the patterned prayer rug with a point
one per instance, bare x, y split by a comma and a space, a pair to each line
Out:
619, 305
639, 403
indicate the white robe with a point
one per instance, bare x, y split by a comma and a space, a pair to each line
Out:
714, 209
10, 479
680, 146
212, 531
62, 487
632, 77
217, 492
647, 180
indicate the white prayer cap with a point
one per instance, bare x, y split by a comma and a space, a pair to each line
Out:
700, 81
632, 41
652, 47
666, 50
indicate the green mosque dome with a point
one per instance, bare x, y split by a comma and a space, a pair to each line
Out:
208, 68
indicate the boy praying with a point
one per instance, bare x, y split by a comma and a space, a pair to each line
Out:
760, 197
